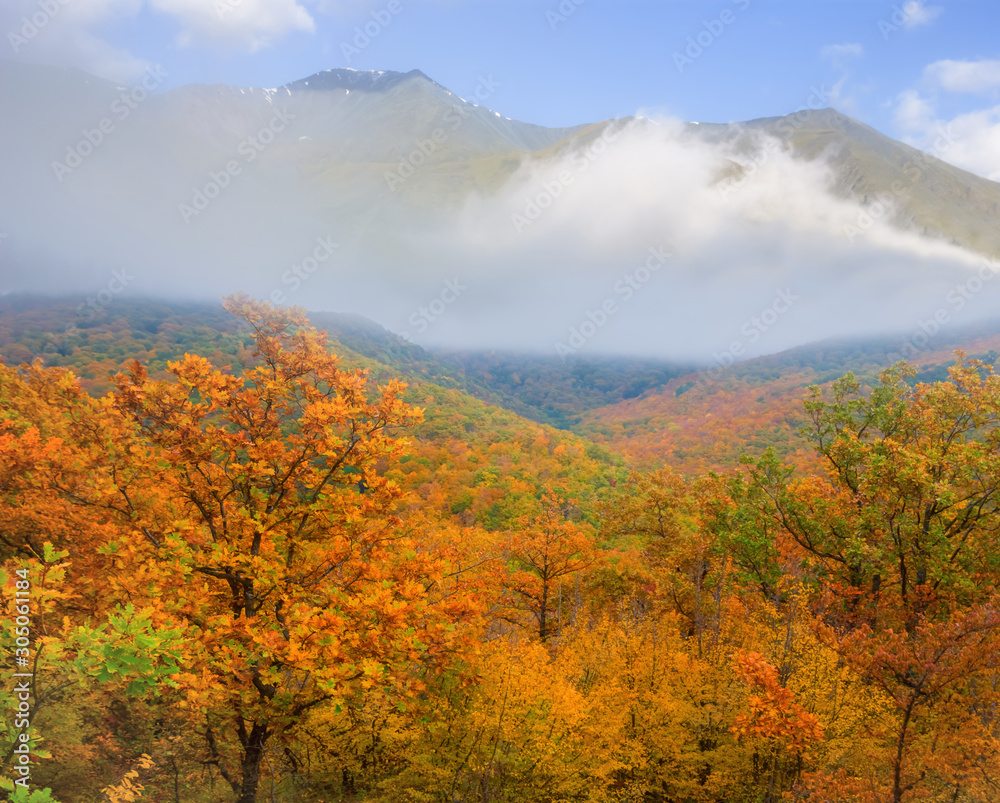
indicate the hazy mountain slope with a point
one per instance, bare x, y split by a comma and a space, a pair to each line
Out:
914, 189
541, 388
553, 391
704, 421
394, 111
348, 131
648, 414
209, 174
545, 390
465, 455
370, 192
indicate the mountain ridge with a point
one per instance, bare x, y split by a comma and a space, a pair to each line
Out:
362, 80
203, 188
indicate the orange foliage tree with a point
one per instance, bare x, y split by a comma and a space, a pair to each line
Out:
251, 512
543, 551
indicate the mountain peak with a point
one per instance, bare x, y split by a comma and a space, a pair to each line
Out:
359, 80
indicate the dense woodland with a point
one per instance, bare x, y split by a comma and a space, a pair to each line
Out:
261, 567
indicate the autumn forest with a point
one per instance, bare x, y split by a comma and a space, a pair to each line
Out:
245, 561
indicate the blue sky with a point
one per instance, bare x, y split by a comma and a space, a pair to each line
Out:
910, 69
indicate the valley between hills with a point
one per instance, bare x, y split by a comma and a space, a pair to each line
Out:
736, 540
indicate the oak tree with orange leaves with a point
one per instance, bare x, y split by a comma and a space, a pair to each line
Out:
251, 513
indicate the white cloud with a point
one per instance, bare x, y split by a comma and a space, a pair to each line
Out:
87, 12
971, 139
976, 142
838, 55
735, 246
69, 35
63, 36
964, 76
247, 24
915, 14
914, 112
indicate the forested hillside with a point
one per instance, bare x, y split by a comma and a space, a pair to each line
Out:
244, 562
706, 420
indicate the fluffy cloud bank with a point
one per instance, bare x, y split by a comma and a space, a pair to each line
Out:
655, 241
975, 133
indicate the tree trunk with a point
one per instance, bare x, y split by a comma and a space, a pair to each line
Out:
253, 754
543, 612
897, 764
